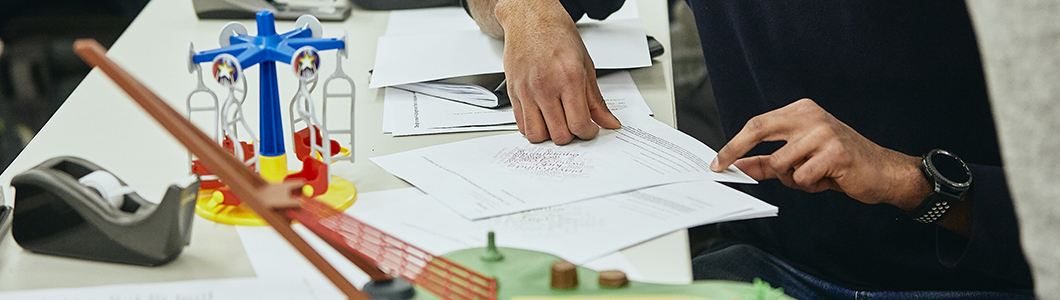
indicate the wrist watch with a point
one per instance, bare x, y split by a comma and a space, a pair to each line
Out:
950, 179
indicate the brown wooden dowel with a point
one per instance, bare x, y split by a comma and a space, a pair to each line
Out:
250, 188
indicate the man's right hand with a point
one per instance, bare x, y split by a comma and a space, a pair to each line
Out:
551, 78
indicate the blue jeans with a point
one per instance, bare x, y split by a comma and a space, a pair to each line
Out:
743, 262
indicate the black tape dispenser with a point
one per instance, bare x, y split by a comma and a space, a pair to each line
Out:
70, 207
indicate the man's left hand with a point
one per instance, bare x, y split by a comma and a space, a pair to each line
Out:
823, 153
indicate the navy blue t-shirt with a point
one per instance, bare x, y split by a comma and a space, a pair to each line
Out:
906, 75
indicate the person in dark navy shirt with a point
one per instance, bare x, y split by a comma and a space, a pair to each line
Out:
838, 107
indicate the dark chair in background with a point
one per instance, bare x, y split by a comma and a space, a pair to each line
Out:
38, 69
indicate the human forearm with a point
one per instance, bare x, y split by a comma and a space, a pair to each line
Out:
823, 153
908, 188
911, 189
493, 16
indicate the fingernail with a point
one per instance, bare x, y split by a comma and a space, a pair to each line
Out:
714, 165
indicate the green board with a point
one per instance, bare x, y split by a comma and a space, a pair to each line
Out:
525, 275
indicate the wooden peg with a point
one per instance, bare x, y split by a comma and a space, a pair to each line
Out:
613, 279
564, 275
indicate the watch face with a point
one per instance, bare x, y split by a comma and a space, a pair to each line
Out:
950, 168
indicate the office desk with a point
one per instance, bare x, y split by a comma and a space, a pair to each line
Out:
99, 123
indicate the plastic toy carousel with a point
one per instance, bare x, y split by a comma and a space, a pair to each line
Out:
266, 154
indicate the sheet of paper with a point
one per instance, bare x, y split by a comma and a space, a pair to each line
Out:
400, 59
273, 258
383, 210
467, 93
427, 21
370, 207
504, 174
578, 232
622, 96
409, 113
238, 288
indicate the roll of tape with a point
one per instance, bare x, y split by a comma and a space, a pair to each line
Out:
107, 186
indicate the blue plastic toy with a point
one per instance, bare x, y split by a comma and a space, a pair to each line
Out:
265, 152
264, 50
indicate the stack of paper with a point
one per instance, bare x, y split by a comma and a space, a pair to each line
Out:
411, 113
579, 201
423, 46
503, 174
430, 44
467, 93
588, 232
579, 232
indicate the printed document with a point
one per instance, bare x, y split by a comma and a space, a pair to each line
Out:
504, 174
273, 258
409, 113
432, 44
579, 232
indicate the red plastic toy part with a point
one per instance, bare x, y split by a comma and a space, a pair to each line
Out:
199, 169
315, 174
302, 140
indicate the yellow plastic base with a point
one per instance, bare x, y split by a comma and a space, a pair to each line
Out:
273, 168
341, 194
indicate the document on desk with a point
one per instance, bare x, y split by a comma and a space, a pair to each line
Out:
236, 288
410, 113
578, 232
272, 257
425, 45
425, 21
504, 174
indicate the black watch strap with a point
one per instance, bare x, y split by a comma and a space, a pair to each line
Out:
949, 178
933, 208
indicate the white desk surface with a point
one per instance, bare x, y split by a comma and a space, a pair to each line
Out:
100, 123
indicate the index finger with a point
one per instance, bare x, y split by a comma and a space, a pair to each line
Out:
762, 128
